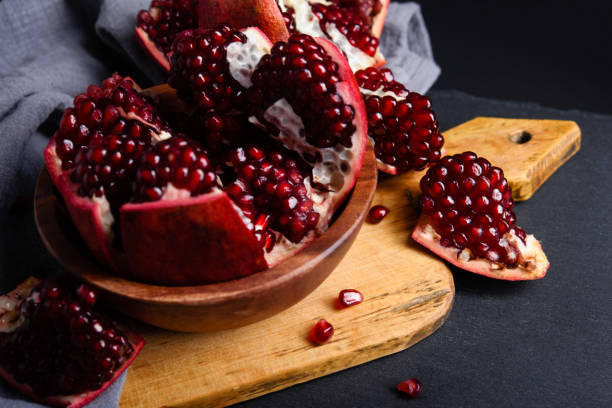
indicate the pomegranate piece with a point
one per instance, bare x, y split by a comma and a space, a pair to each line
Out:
377, 213
157, 27
349, 297
321, 332
373, 12
91, 158
145, 198
402, 126
57, 349
411, 387
468, 219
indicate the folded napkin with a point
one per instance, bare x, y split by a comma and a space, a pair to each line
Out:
50, 51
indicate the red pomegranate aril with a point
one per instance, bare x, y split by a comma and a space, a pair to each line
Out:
57, 332
321, 332
177, 161
403, 127
477, 206
166, 19
411, 387
377, 213
278, 68
349, 297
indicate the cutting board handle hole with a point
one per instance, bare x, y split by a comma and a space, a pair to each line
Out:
520, 137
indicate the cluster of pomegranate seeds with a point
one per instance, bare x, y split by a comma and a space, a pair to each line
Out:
321, 332
402, 124
301, 72
177, 161
366, 9
165, 19
377, 213
102, 146
269, 189
349, 297
108, 164
200, 74
470, 205
352, 25
63, 347
411, 387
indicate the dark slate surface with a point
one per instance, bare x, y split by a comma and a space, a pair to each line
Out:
528, 344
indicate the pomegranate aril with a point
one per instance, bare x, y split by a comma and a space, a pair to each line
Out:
411, 387
349, 297
402, 125
300, 87
467, 210
61, 335
321, 332
377, 213
171, 18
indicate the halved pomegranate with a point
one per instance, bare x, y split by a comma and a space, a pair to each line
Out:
214, 208
402, 125
468, 219
344, 26
58, 350
157, 27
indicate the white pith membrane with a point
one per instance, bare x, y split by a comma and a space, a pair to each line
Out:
307, 22
530, 254
244, 57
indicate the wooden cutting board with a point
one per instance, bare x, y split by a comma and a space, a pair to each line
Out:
408, 292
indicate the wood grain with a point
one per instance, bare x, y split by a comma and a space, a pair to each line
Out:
408, 294
526, 165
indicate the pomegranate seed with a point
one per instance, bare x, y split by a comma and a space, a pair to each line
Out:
321, 332
470, 205
377, 213
327, 122
172, 17
349, 297
411, 387
404, 128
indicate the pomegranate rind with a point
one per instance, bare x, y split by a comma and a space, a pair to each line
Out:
349, 90
87, 215
150, 48
71, 401
535, 266
378, 22
190, 241
263, 14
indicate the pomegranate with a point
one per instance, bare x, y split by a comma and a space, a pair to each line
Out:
321, 332
468, 219
58, 350
411, 387
349, 297
345, 26
165, 208
402, 125
377, 213
157, 27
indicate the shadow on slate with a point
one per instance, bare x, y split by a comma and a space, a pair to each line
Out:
540, 344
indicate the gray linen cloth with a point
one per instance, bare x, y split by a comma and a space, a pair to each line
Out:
50, 50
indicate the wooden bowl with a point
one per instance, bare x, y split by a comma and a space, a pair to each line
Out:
209, 307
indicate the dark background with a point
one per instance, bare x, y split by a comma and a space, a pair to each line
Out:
528, 344
557, 53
